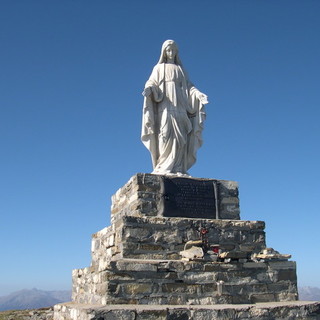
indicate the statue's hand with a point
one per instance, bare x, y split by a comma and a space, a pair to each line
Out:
203, 98
147, 92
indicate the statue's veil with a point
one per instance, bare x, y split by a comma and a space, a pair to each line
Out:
163, 55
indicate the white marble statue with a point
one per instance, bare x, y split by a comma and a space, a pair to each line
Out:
173, 115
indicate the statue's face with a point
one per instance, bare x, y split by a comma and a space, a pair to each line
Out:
171, 52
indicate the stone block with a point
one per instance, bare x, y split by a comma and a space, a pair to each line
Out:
151, 315
180, 288
137, 288
255, 265
258, 298
192, 253
176, 299
278, 265
286, 296
247, 248
196, 277
233, 255
133, 266
116, 315
287, 274
177, 314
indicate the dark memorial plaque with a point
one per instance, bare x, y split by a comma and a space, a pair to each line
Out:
189, 198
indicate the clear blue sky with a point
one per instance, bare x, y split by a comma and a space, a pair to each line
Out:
71, 78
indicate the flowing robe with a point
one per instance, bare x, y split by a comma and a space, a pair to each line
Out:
172, 121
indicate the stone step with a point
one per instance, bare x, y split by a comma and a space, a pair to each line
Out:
164, 238
262, 311
132, 281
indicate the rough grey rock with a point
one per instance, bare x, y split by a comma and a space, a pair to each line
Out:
137, 262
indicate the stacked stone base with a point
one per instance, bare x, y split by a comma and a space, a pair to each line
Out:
137, 261
295, 310
139, 271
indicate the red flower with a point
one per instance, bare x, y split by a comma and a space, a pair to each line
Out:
215, 249
204, 231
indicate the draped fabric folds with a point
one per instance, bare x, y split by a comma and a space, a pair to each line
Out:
173, 119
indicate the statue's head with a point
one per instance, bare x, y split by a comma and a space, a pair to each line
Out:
169, 47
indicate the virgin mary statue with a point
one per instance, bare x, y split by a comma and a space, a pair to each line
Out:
173, 115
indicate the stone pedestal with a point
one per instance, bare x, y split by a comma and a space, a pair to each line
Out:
149, 195
140, 258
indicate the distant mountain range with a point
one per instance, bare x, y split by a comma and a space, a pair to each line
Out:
309, 293
33, 299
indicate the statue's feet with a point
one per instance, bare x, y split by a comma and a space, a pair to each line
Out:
168, 173
185, 175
